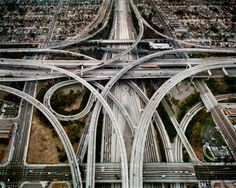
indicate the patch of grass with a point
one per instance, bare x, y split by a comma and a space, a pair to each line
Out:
73, 130
186, 104
194, 129
41, 93
149, 89
231, 82
167, 122
60, 100
214, 86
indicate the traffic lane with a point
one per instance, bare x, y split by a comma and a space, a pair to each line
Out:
212, 172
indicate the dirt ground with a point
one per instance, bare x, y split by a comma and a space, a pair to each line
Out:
233, 120
224, 185
2, 151
73, 87
180, 93
198, 152
222, 83
60, 185
2, 95
43, 144
66, 90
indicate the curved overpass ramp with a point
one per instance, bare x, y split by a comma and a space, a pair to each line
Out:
77, 181
138, 147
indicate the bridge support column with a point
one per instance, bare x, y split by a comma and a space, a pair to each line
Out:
82, 73
209, 74
192, 78
52, 68
81, 70
188, 65
225, 72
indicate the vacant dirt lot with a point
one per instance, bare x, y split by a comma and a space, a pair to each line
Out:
2, 151
73, 87
198, 152
224, 185
43, 146
60, 185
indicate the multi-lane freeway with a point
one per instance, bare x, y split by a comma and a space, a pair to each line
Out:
218, 116
202, 68
126, 107
138, 147
18, 154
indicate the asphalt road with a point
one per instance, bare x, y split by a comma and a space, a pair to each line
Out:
21, 136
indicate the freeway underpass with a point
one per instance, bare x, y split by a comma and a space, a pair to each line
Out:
111, 172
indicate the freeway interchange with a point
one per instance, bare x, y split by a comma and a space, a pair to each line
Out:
129, 167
